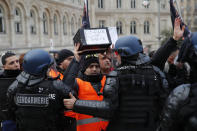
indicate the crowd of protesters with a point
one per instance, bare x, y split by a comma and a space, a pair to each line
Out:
121, 89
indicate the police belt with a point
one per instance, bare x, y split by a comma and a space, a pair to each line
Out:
89, 120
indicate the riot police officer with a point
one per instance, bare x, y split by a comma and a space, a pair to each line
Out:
35, 101
133, 93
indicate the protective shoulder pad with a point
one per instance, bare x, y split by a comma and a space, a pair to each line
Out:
181, 92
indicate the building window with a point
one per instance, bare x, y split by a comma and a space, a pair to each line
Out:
163, 4
2, 20
133, 27
100, 3
79, 23
72, 26
146, 27
18, 21
132, 3
64, 26
32, 22
118, 2
119, 27
55, 25
101, 23
146, 3
45, 24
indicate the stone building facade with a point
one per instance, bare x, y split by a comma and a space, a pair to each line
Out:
28, 24
188, 10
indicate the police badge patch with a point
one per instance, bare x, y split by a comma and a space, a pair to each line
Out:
34, 100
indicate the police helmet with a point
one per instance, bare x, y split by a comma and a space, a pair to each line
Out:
128, 46
37, 61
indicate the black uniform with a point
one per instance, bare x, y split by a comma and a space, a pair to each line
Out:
36, 103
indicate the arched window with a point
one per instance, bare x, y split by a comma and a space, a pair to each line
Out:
32, 22
100, 3
72, 26
2, 20
18, 21
45, 23
133, 27
55, 25
146, 27
118, 3
64, 26
132, 3
119, 27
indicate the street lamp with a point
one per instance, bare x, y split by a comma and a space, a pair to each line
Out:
146, 3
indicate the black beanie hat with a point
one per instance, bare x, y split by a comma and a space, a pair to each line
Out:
63, 54
89, 59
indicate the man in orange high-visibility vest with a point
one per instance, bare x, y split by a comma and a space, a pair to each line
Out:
90, 87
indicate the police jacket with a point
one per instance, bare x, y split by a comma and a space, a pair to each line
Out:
36, 103
6, 79
9, 73
111, 106
179, 112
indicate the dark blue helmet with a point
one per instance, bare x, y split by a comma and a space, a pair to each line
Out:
37, 61
194, 39
128, 46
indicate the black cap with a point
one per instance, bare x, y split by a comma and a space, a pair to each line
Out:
89, 59
63, 54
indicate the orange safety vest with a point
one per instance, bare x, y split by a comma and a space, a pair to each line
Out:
55, 74
87, 122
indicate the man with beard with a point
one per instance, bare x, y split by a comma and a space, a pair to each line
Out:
105, 63
90, 87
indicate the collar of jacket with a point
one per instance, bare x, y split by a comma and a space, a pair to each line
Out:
28, 79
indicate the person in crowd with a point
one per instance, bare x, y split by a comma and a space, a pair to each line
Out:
179, 112
63, 60
105, 63
11, 68
133, 93
89, 86
176, 73
35, 100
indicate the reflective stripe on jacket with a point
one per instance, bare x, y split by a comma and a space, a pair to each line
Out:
87, 92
